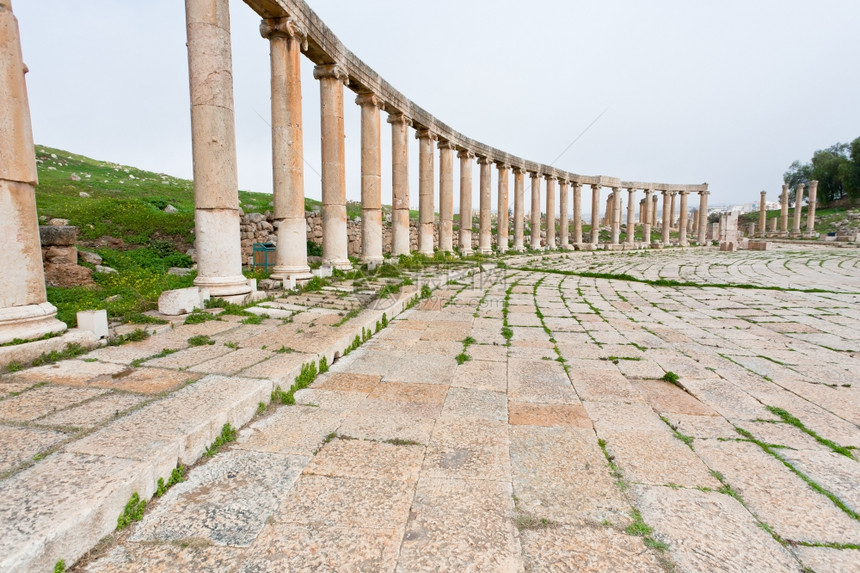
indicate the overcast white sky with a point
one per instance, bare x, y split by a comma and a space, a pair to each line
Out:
728, 93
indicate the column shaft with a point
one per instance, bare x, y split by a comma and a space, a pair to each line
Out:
535, 215
446, 196
595, 214
672, 210
762, 214
563, 224
783, 213
631, 216
798, 207
502, 217
399, 183
645, 215
577, 214
550, 212
810, 209
703, 217
213, 144
519, 207
485, 244
426, 210
682, 220
652, 210
332, 79
615, 215
466, 201
667, 215
371, 179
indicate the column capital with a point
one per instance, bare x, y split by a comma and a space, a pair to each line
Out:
534, 175
369, 98
631, 190
399, 117
576, 184
683, 191
331, 71
596, 186
501, 165
703, 193
550, 177
517, 169
465, 154
425, 134
763, 193
445, 144
673, 193
663, 192
484, 160
286, 27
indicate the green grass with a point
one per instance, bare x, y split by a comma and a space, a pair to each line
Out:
200, 340
228, 434
133, 511
789, 419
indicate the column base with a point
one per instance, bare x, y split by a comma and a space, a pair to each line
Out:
518, 247
373, 260
298, 273
220, 287
486, 251
339, 264
427, 253
29, 322
465, 252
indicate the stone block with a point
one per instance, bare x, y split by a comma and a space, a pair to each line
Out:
759, 246
180, 301
59, 236
88, 257
94, 321
60, 255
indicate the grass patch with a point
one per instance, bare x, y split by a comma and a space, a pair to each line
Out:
165, 352
200, 340
348, 316
228, 434
136, 335
402, 442
672, 378
199, 317
789, 419
462, 357
71, 350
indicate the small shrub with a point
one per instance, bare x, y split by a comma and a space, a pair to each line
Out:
462, 357
671, 378
133, 511
228, 434
200, 340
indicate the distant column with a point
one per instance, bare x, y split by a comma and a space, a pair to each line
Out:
399, 183
672, 210
25, 312
783, 213
609, 211
631, 215
595, 213
519, 207
371, 179
810, 210
213, 145
332, 79
446, 196
682, 220
563, 231
652, 210
703, 217
550, 211
667, 216
485, 244
466, 158
798, 207
645, 215
535, 218
502, 210
615, 215
426, 192
286, 40
577, 214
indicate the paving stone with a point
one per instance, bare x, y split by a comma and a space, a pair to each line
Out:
666, 397
42, 401
702, 426
146, 380
9, 387
592, 549
539, 382
353, 458
94, 412
476, 449
809, 517
226, 501
385, 425
460, 525
189, 357
145, 558
290, 430
18, 445
347, 382
70, 372
821, 559
710, 531
834, 472
603, 385
471, 403
233, 362
281, 369
422, 369
550, 415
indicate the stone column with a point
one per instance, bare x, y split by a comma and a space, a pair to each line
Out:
502, 217
682, 220
25, 312
465, 201
519, 207
762, 213
577, 214
550, 211
631, 216
667, 216
615, 215
426, 209
332, 79
652, 210
595, 213
783, 213
798, 208
609, 211
213, 146
772, 225
446, 196
645, 215
563, 231
371, 179
810, 208
286, 41
485, 240
703, 217
399, 183
535, 218
672, 210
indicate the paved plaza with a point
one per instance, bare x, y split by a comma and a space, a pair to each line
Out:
556, 446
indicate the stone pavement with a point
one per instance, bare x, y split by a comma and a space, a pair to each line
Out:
560, 450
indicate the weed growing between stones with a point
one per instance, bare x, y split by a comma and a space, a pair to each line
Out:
613, 467
672, 378
228, 434
199, 317
133, 511
60, 566
71, 350
401, 442
135, 335
255, 319
684, 438
789, 419
137, 362
638, 528
348, 316
176, 476
200, 340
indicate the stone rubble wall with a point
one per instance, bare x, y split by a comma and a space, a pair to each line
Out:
261, 228
60, 256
